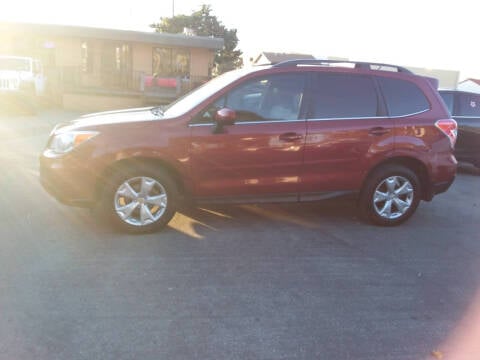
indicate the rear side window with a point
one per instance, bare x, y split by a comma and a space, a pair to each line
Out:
469, 105
403, 97
343, 96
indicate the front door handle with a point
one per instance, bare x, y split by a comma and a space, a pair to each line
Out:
378, 131
290, 137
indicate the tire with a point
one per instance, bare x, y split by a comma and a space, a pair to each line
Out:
390, 195
139, 199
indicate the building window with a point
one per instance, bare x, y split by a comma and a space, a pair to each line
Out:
86, 57
169, 62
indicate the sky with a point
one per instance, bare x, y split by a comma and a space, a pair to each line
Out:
421, 33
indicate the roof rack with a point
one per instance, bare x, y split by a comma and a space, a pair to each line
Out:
357, 64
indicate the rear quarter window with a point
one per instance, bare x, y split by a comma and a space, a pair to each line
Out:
448, 100
403, 97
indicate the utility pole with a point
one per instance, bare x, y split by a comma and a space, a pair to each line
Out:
173, 8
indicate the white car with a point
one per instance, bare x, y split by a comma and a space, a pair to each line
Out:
22, 75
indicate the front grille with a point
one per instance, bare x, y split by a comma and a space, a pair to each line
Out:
9, 84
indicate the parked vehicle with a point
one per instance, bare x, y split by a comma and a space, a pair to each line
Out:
22, 78
465, 109
296, 131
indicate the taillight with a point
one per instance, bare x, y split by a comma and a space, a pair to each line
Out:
449, 128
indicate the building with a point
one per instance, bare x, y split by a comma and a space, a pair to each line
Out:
447, 79
471, 85
96, 69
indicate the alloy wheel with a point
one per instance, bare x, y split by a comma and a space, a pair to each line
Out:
140, 201
393, 197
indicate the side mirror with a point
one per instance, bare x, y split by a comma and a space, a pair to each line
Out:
224, 117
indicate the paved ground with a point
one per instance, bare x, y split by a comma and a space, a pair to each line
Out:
232, 282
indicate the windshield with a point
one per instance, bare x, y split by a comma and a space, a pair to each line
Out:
15, 64
192, 99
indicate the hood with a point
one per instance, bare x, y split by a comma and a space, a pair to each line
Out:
112, 117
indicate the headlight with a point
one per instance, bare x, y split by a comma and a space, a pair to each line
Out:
65, 142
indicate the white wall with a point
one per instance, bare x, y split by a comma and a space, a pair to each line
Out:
469, 86
448, 79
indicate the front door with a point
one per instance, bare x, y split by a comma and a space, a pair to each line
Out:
261, 155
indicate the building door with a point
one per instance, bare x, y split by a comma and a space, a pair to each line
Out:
116, 65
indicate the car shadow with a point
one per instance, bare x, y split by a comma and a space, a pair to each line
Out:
201, 221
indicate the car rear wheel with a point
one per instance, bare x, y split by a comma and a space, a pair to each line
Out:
390, 195
140, 199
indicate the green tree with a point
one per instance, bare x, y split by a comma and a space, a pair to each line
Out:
203, 23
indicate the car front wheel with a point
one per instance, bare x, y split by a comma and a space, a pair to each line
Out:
140, 200
390, 195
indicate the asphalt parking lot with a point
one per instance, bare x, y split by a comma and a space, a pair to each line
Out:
288, 281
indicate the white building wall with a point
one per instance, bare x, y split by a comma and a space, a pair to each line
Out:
469, 86
448, 79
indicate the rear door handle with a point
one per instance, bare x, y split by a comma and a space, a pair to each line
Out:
378, 131
290, 137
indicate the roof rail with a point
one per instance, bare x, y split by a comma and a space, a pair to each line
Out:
358, 64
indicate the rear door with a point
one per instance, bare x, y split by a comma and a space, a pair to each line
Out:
347, 129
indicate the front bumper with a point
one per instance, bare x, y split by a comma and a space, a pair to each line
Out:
70, 184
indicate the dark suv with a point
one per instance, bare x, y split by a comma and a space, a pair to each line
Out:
465, 109
296, 131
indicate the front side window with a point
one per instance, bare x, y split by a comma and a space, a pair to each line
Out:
269, 98
469, 104
337, 96
403, 97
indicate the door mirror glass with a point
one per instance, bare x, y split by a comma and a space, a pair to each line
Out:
225, 116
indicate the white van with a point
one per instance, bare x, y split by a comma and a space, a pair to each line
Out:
23, 75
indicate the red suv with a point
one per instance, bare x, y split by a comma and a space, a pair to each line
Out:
295, 131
